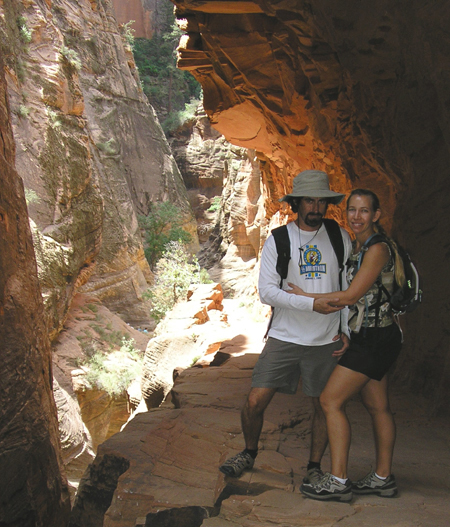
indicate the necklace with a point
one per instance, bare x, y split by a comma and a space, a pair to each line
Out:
301, 248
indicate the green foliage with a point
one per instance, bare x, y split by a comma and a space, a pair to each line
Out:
24, 33
114, 372
71, 56
168, 89
175, 272
31, 196
108, 147
23, 111
53, 118
161, 226
215, 204
128, 33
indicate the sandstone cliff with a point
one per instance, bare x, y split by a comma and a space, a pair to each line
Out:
92, 157
224, 189
358, 89
32, 490
90, 151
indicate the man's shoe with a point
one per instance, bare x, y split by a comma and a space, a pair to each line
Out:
328, 489
313, 476
371, 484
237, 464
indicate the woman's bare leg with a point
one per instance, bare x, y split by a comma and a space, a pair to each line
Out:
376, 400
342, 386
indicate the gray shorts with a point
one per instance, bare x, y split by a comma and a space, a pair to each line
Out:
281, 364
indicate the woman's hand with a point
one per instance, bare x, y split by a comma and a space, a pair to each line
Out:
295, 290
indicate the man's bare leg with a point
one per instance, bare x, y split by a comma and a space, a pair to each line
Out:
319, 435
252, 415
252, 419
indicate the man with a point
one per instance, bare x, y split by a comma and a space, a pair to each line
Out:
306, 336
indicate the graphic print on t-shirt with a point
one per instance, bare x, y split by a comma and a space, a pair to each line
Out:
310, 265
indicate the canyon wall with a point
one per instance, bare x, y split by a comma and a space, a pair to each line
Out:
90, 151
141, 15
356, 88
92, 157
32, 490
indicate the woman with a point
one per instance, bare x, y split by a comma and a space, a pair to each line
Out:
375, 344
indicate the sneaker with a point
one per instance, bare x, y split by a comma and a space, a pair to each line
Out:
371, 484
328, 488
313, 475
237, 464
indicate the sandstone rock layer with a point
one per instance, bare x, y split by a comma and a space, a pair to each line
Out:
162, 469
33, 492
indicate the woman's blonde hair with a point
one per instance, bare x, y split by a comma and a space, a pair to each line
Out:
399, 270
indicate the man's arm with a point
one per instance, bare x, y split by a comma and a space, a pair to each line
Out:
271, 294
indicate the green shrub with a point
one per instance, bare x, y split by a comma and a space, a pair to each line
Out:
128, 33
31, 196
175, 272
71, 56
23, 111
24, 32
215, 204
161, 226
114, 372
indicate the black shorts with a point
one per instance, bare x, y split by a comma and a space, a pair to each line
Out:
373, 351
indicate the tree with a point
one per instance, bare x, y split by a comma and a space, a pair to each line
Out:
162, 225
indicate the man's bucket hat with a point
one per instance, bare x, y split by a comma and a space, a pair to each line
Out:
313, 184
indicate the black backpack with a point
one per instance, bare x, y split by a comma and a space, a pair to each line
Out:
403, 299
283, 245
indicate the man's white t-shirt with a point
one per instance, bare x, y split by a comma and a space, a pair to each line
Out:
315, 269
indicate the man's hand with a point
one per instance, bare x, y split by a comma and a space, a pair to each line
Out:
345, 344
325, 306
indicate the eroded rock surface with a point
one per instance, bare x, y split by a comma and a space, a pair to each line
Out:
174, 453
33, 491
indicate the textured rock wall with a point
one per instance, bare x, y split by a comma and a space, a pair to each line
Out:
32, 491
90, 151
143, 13
359, 89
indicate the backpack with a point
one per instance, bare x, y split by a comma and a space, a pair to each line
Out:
403, 299
283, 246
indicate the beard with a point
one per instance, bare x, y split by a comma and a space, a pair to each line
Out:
313, 220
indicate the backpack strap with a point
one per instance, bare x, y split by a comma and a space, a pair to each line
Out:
372, 240
283, 244
335, 235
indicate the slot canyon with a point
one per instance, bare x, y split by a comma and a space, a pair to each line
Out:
357, 88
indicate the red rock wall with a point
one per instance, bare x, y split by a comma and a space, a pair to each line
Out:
359, 89
32, 490
133, 10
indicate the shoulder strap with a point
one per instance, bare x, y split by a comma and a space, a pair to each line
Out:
283, 244
335, 235
372, 240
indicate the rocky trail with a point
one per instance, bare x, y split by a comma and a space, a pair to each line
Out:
162, 469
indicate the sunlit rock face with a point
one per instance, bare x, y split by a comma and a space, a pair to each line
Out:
359, 89
90, 151
32, 490
224, 188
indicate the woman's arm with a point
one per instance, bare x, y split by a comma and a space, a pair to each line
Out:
374, 260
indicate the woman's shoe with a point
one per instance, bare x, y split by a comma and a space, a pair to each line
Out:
371, 484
